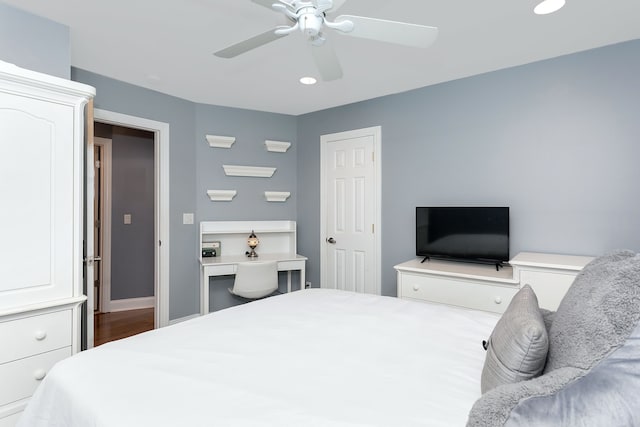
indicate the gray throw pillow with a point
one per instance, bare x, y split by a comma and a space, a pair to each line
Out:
598, 312
592, 375
548, 316
517, 347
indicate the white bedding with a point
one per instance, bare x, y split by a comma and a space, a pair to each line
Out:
312, 358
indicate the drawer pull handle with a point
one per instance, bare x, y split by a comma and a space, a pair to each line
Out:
498, 300
416, 287
39, 374
40, 335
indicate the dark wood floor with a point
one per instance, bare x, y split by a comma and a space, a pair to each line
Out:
121, 324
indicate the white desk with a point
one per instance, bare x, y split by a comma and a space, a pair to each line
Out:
221, 266
277, 243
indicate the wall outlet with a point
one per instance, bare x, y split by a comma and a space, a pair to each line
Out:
127, 218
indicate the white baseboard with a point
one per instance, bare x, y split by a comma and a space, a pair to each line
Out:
182, 319
132, 304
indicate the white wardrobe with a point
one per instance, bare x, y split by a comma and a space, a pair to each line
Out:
41, 228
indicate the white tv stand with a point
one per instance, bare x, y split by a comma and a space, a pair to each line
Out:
481, 287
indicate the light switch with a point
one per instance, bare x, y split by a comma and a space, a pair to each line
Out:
127, 218
187, 218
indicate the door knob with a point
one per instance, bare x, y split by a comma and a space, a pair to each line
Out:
331, 240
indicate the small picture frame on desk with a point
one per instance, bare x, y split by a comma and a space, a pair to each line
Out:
211, 249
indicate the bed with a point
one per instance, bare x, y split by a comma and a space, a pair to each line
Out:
338, 359
309, 358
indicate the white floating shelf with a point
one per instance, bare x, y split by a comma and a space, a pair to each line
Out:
221, 195
253, 171
277, 146
217, 141
277, 196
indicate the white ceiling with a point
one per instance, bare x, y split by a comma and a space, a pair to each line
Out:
168, 46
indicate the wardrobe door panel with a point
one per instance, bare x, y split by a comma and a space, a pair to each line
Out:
37, 176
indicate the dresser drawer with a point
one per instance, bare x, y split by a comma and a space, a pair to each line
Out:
550, 287
20, 378
35, 334
457, 292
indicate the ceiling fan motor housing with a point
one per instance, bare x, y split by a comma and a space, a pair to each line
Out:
310, 23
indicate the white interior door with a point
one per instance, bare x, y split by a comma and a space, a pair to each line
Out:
103, 248
89, 217
97, 228
351, 211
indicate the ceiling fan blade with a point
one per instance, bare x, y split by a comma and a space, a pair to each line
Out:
327, 62
268, 3
329, 5
249, 44
402, 33
337, 4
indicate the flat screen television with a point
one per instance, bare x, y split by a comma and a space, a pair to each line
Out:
474, 234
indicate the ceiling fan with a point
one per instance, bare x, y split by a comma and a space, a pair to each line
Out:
310, 17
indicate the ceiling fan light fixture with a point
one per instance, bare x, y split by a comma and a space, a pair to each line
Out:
308, 81
548, 6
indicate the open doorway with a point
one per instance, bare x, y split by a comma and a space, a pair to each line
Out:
124, 204
159, 243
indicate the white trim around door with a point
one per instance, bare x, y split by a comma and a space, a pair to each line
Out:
161, 156
375, 133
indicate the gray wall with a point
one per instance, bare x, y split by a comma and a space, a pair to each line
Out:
132, 245
195, 167
34, 43
251, 129
113, 95
557, 141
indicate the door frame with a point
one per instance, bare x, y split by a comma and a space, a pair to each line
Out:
105, 262
160, 131
376, 133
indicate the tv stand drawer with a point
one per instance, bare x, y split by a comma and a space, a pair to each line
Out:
477, 295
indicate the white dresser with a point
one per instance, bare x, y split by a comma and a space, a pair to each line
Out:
41, 169
481, 287
549, 275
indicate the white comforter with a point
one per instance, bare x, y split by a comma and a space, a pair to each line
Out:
312, 358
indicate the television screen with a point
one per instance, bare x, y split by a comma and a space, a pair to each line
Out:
478, 234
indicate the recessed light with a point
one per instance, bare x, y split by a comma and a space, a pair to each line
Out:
308, 81
548, 6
